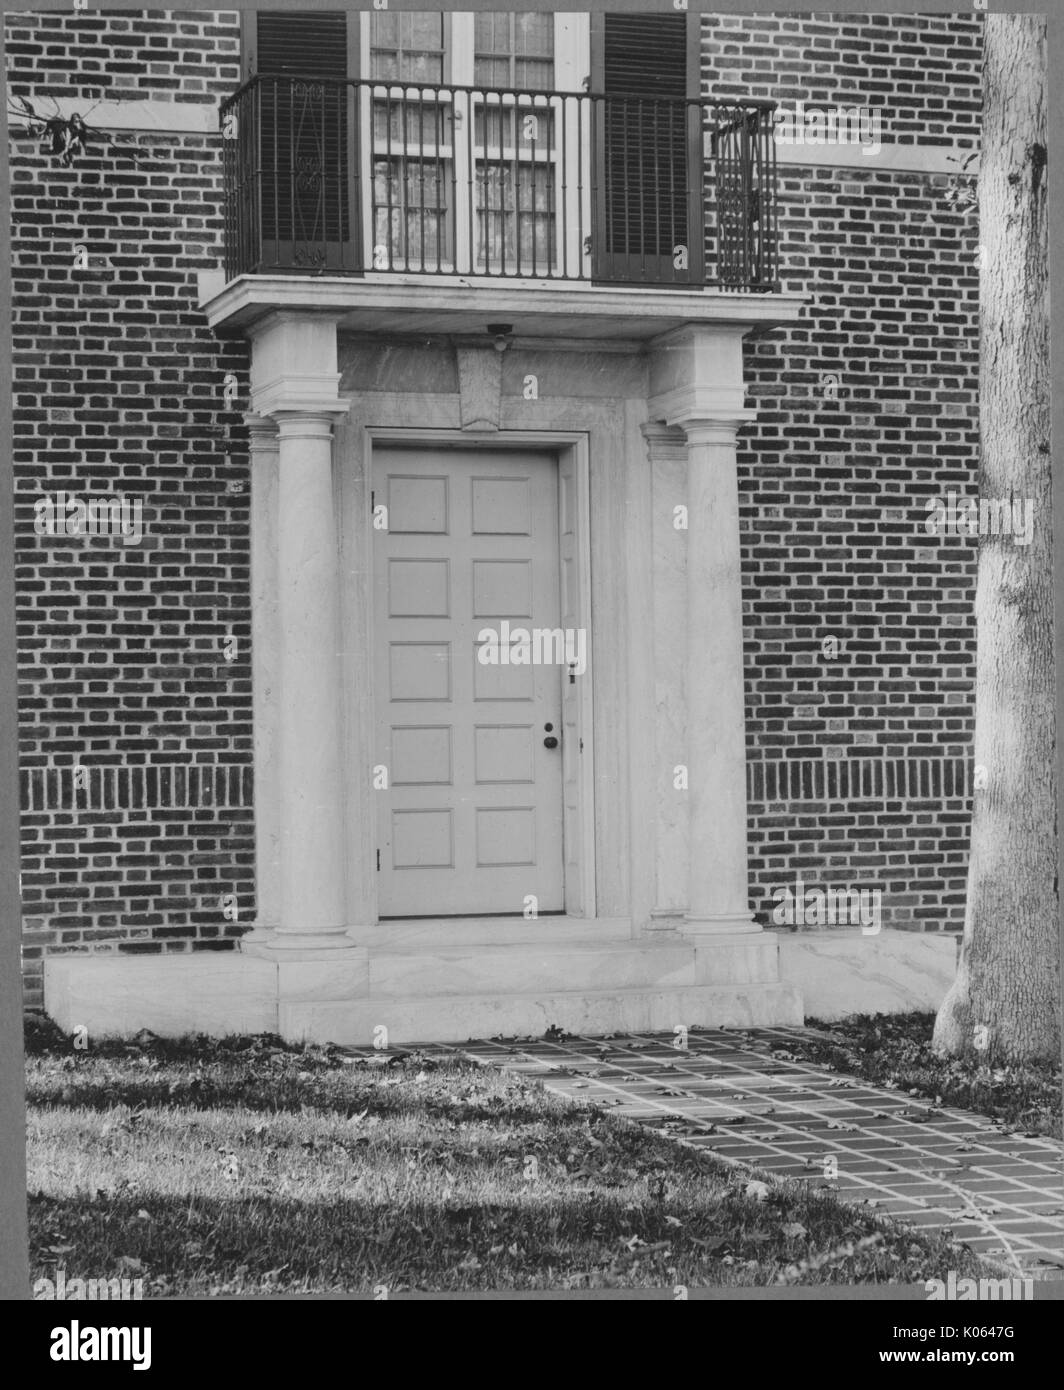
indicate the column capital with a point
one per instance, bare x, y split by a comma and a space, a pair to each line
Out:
718, 430
306, 424
653, 430
663, 441
262, 433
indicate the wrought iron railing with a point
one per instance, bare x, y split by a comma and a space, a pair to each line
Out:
367, 176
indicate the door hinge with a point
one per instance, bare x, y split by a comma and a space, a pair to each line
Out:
372, 501
581, 745
378, 861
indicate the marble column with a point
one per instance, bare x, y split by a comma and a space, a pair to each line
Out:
299, 634
312, 835
717, 896
264, 451
667, 455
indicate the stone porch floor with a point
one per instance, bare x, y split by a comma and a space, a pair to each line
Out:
925, 1165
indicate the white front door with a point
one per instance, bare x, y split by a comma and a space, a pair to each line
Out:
469, 794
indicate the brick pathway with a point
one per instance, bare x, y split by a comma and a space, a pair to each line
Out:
926, 1165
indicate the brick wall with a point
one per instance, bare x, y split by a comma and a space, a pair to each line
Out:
868, 407
135, 54
921, 71
135, 727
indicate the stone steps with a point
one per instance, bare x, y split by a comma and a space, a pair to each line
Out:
526, 967
457, 1018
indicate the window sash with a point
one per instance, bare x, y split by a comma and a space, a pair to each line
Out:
514, 50
403, 49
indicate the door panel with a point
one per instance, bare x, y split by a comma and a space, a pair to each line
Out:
470, 821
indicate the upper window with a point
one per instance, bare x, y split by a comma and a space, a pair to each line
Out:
514, 50
406, 46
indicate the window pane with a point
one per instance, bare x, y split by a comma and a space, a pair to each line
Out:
515, 217
534, 34
407, 46
422, 67
492, 72
534, 186
384, 32
420, 124
537, 133
385, 185
422, 31
486, 129
410, 216
424, 189
515, 49
500, 39
493, 130
534, 130
534, 73
384, 65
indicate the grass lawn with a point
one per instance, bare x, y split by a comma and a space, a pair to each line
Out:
245, 1166
894, 1050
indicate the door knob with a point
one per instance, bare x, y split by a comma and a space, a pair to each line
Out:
550, 742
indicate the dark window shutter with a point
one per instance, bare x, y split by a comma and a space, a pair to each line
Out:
645, 55
306, 123
307, 44
644, 77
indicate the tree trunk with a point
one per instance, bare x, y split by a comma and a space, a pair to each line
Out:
1004, 1005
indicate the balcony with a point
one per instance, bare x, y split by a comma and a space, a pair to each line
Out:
492, 186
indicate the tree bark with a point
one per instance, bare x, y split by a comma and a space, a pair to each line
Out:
1004, 1006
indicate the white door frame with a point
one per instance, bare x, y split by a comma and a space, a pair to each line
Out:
558, 443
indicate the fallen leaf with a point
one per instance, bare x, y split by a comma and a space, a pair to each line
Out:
713, 1246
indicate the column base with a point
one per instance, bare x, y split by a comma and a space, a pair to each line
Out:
271, 943
725, 924
663, 919
311, 966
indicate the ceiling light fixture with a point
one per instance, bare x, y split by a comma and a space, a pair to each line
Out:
501, 333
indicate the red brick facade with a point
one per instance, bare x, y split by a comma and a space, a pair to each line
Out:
119, 387
868, 408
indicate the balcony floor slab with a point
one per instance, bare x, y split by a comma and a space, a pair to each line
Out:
428, 306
